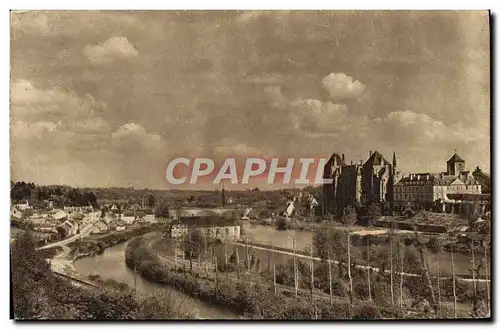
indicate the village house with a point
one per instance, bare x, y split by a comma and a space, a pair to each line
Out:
23, 206
71, 209
70, 228
99, 227
213, 227
76, 216
16, 213
59, 214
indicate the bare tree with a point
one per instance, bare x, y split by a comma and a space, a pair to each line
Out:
369, 268
401, 269
237, 262
349, 268
391, 238
330, 277
425, 271
473, 270
274, 273
486, 277
312, 267
295, 272
454, 283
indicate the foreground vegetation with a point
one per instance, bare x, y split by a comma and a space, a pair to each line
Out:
257, 301
420, 295
38, 294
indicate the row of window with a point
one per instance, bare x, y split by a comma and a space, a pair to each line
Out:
413, 196
412, 188
429, 189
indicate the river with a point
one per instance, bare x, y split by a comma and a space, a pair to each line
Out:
111, 265
284, 239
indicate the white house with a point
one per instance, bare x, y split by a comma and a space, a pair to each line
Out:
60, 214
23, 206
99, 227
16, 213
70, 227
129, 220
289, 209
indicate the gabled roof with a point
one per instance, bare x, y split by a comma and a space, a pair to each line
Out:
455, 158
337, 158
377, 159
206, 221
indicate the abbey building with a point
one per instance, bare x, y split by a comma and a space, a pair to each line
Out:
378, 180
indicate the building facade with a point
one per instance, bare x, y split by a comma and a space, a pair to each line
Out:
429, 189
371, 181
212, 227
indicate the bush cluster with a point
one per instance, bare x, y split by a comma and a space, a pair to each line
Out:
38, 294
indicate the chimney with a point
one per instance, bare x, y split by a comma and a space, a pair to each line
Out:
351, 162
343, 158
371, 152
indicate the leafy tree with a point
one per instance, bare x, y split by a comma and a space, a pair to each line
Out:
30, 274
370, 213
161, 211
194, 244
349, 216
326, 239
151, 201
434, 245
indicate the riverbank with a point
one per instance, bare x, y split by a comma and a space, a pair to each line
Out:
39, 294
439, 261
407, 234
255, 300
256, 264
62, 258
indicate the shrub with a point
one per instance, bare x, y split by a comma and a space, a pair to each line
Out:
367, 311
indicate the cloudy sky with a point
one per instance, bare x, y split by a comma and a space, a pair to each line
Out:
109, 98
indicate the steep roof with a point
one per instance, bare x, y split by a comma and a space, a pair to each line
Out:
337, 158
430, 178
455, 158
377, 159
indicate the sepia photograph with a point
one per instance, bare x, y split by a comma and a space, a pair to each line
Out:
250, 165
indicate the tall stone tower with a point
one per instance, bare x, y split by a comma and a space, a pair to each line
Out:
455, 165
394, 163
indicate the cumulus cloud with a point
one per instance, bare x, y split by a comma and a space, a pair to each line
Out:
341, 86
43, 120
408, 125
318, 116
22, 130
91, 125
31, 103
133, 135
114, 48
